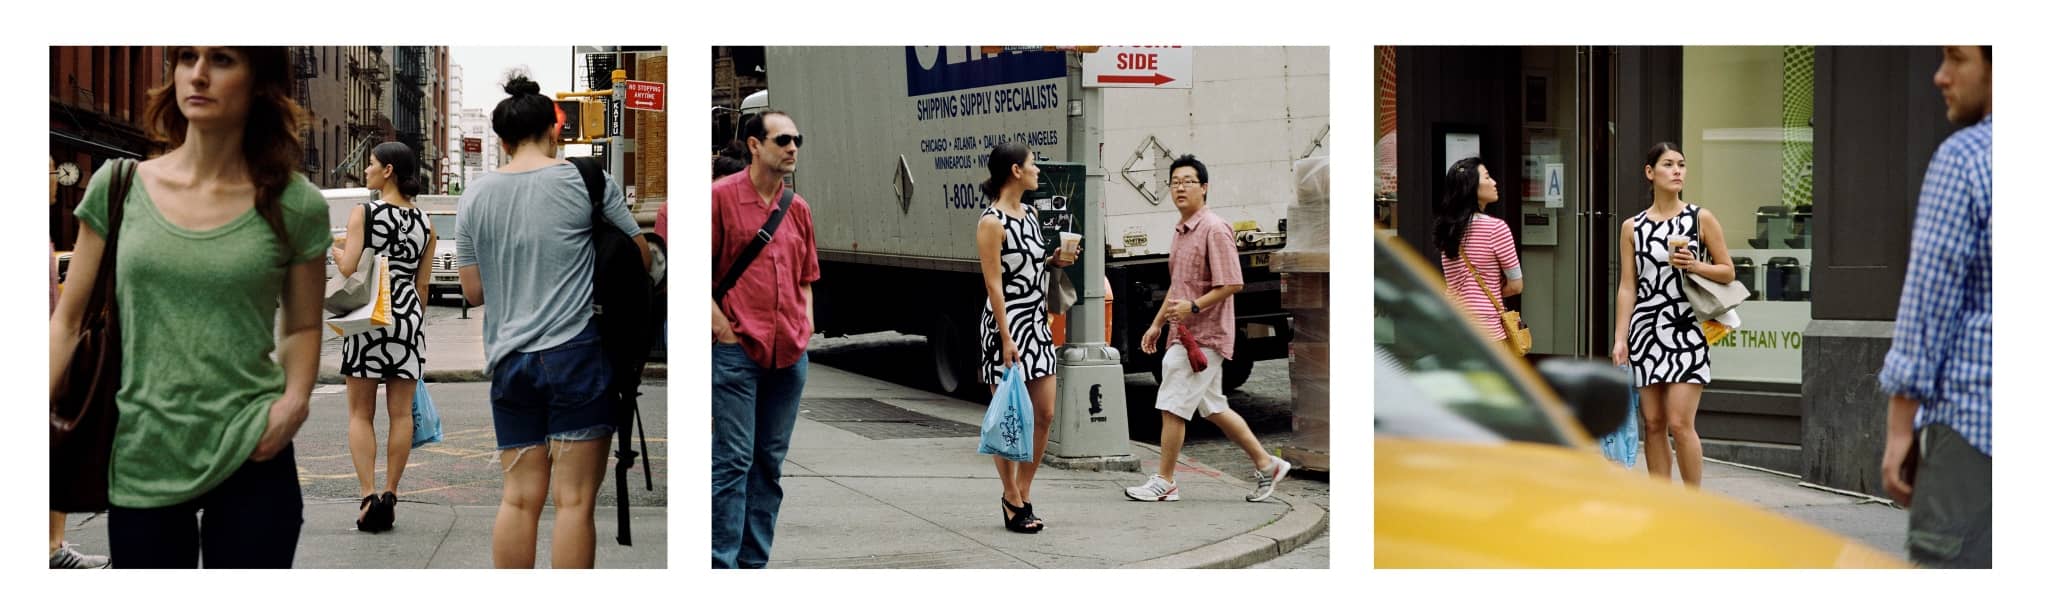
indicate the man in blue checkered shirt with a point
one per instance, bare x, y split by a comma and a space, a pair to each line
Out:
1938, 372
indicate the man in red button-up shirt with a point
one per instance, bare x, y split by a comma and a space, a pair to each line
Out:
758, 332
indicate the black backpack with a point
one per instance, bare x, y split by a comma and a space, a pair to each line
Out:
623, 296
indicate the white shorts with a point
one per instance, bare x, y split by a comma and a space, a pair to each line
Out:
1183, 391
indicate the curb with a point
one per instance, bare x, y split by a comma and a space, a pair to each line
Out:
1302, 523
327, 376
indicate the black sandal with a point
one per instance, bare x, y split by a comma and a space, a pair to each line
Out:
1019, 519
390, 502
1029, 514
366, 514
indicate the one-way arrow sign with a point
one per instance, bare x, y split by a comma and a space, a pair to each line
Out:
1170, 67
1153, 79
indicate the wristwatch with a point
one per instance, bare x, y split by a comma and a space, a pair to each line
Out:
1194, 308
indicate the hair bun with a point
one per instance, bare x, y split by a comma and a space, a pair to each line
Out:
517, 83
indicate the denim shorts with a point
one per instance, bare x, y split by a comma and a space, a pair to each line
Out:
553, 394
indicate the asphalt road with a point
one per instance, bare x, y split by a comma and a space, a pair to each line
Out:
463, 468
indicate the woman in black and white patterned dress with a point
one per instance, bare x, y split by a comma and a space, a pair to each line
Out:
392, 356
1014, 334
1656, 334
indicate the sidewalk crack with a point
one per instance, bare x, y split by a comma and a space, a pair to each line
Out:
454, 516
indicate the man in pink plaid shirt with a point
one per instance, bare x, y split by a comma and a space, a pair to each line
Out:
1203, 264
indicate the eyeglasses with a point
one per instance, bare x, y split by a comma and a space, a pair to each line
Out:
785, 140
1184, 182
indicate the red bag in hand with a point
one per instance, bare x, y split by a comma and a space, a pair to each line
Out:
1196, 358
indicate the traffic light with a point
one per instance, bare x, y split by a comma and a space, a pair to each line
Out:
593, 119
571, 127
583, 119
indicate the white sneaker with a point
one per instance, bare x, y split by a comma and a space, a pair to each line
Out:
68, 556
1264, 487
1157, 489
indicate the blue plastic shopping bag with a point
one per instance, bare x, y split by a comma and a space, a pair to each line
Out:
426, 422
1006, 428
1625, 443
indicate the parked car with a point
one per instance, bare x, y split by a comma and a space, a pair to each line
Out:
1483, 462
440, 209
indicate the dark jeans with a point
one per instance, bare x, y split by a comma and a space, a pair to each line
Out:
251, 520
1949, 524
753, 411
553, 394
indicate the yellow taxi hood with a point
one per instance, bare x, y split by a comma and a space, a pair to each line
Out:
1512, 505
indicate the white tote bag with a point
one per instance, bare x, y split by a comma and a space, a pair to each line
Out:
373, 315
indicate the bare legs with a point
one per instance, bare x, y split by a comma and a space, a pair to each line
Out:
1668, 412
362, 435
526, 493
1173, 432
579, 469
576, 469
1017, 476
1234, 427
362, 431
56, 531
398, 447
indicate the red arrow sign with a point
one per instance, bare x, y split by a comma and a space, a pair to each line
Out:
1154, 79
646, 95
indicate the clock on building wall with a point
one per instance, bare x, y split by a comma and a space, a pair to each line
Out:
67, 174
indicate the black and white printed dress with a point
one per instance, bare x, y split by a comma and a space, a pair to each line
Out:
400, 234
1665, 344
1024, 280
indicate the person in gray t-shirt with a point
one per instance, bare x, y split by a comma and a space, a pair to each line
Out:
523, 251
528, 234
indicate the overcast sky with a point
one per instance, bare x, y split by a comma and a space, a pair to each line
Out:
483, 71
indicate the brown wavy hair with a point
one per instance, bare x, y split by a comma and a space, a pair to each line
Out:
270, 138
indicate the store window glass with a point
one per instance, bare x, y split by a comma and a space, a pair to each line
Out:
1748, 141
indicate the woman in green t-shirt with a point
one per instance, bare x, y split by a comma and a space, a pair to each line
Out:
216, 234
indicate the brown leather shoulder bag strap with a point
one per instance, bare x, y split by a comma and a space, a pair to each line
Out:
117, 197
1482, 284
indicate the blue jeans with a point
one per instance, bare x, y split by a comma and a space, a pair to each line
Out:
753, 411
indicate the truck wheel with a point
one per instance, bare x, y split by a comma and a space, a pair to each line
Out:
955, 352
1235, 372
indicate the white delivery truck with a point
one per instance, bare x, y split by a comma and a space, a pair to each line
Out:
896, 141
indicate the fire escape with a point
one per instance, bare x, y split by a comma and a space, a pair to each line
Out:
409, 95
368, 124
306, 68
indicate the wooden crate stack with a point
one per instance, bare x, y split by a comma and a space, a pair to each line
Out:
1304, 268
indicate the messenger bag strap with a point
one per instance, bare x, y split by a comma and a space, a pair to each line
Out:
761, 240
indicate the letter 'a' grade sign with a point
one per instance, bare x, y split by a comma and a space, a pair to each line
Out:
1160, 67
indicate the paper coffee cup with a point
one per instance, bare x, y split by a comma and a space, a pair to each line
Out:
1070, 241
1678, 242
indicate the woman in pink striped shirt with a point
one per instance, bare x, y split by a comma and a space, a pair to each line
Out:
1464, 234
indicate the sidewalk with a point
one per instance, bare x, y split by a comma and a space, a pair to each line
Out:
1866, 519
431, 536
885, 476
455, 349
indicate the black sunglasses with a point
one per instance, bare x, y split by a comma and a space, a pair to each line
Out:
785, 140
